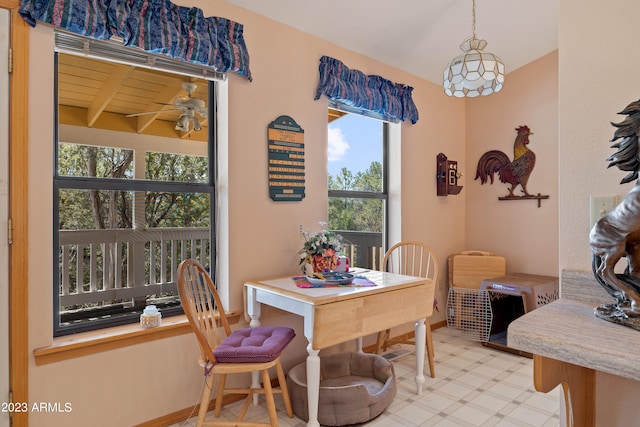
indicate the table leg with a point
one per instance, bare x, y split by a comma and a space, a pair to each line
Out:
421, 340
313, 385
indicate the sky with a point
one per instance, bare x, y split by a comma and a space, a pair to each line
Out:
354, 142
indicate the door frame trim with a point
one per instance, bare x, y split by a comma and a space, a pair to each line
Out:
18, 204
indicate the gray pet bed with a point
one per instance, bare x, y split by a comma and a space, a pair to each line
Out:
354, 388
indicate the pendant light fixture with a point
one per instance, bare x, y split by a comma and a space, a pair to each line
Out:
475, 72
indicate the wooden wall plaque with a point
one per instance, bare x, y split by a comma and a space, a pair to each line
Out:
286, 160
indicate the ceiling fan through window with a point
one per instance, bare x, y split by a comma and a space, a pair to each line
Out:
190, 107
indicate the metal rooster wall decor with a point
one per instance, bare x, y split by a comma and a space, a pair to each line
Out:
617, 234
516, 172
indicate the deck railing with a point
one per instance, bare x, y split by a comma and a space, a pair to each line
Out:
364, 249
102, 266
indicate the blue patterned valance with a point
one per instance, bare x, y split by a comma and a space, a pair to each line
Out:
370, 93
156, 26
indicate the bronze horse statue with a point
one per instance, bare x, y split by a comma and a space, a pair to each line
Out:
617, 233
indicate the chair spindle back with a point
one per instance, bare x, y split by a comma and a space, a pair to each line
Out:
202, 306
413, 259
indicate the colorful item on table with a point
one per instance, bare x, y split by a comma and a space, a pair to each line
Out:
358, 281
342, 265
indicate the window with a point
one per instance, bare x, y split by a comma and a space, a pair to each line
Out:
133, 189
357, 182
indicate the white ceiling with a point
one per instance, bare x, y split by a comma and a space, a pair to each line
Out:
422, 36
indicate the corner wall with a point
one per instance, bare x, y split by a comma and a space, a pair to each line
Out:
598, 78
523, 233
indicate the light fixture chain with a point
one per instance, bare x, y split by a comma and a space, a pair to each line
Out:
473, 14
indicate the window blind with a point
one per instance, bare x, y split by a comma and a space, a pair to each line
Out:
112, 50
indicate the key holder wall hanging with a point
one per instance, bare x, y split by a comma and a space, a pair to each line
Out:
447, 176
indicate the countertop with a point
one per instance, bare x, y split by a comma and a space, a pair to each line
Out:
567, 330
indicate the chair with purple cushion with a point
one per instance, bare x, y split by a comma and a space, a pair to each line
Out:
245, 350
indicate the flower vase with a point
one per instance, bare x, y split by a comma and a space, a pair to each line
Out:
320, 263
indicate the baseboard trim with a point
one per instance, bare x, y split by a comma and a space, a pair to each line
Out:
184, 414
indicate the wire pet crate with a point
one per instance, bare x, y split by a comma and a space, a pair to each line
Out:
485, 314
469, 313
513, 296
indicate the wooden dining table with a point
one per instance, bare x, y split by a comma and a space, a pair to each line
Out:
333, 315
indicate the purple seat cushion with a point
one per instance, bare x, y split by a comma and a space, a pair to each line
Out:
261, 344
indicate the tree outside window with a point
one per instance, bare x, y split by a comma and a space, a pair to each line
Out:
357, 186
132, 197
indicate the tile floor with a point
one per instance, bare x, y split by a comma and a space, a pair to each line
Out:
474, 386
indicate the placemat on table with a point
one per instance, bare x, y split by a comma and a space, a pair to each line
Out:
358, 281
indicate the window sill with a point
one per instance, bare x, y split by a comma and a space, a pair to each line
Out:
87, 343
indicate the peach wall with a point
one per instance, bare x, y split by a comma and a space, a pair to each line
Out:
524, 234
108, 389
598, 77
285, 84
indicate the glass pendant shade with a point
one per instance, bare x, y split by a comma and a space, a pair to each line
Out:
473, 73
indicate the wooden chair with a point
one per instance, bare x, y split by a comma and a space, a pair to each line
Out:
413, 259
245, 350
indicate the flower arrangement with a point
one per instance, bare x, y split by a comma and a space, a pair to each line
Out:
320, 250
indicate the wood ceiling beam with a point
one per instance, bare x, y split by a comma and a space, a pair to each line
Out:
165, 96
75, 116
335, 114
116, 78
